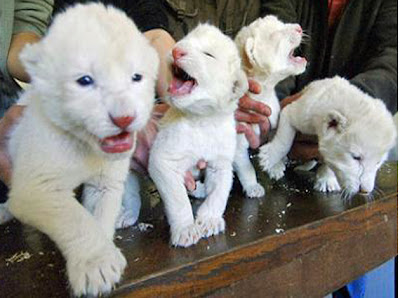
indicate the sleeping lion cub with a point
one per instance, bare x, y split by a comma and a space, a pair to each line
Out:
93, 78
355, 133
207, 83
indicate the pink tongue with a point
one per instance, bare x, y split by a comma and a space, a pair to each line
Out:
117, 144
179, 87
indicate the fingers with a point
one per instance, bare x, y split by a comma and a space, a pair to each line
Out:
254, 87
304, 151
5, 168
252, 138
189, 181
251, 118
247, 104
290, 99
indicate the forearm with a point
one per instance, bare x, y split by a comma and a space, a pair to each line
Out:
14, 65
163, 43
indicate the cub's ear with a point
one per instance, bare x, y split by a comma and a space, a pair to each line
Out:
249, 50
335, 122
30, 57
241, 85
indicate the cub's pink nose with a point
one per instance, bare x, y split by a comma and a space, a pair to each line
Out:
122, 122
299, 29
178, 53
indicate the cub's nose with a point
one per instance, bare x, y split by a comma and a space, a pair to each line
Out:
299, 29
177, 53
122, 122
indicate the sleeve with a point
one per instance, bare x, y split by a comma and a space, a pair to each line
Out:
285, 10
379, 74
32, 15
146, 14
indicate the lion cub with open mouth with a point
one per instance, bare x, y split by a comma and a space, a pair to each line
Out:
207, 83
93, 78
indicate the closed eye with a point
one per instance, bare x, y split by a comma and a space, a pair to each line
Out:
208, 54
356, 157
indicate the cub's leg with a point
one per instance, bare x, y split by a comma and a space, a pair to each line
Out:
273, 152
103, 200
245, 171
131, 203
218, 183
94, 264
170, 185
325, 180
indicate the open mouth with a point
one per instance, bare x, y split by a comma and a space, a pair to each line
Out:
182, 83
118, 143
296, 59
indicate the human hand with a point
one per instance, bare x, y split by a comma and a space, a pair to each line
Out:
304, 148
251, 112
10, 118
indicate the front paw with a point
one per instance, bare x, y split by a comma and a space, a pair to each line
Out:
210, 226
95, 274
185, 236
265, 157
326, 183
254, 191
126, 218
277, 171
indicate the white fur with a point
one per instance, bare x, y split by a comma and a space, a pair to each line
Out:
56, 146
199, 125
350, 125
265, 47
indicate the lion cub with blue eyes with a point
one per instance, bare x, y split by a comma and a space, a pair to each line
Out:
203, 95
93, 78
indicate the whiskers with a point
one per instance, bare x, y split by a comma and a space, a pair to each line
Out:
305, 38
346, 194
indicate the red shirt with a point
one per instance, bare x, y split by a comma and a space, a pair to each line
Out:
335, 10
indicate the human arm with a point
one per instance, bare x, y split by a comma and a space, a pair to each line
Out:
378, 75
30, 22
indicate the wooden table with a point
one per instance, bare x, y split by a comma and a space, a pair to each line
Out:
293, 242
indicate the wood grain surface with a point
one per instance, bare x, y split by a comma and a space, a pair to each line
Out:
293, 242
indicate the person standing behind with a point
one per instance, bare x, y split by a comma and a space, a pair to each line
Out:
355, 39
21, 22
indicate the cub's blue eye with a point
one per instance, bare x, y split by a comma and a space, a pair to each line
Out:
356, 157
137, 77
85, 81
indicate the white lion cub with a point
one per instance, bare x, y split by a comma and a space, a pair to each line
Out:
207, 83
266, 47
355, 133
93, 78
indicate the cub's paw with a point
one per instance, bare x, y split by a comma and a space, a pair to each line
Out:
200, 191
266, 157
254, 191
210, 226
95, 274
185, 236
126, 218
5, 215
277, 171
327, 183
